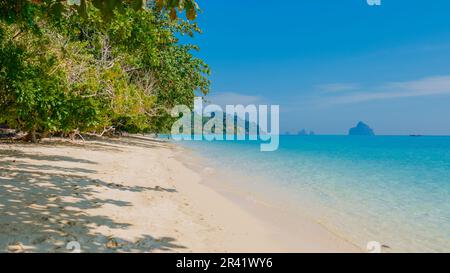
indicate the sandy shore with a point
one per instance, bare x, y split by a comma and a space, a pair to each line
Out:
135, 195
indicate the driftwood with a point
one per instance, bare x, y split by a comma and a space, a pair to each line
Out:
14, 135
106, 131
74, 134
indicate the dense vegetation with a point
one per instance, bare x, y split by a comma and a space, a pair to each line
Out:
71, 67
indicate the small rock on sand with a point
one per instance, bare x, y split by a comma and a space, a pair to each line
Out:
15, 247
112, 243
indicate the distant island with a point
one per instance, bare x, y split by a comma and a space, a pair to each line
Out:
303, 132
361, 129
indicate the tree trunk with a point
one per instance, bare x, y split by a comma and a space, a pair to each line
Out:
33, 135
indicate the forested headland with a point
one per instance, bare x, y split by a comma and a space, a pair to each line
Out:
93, 67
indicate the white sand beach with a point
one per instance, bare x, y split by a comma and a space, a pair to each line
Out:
134, 194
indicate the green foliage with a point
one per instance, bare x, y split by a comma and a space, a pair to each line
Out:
27, 11
82, 73
34, 91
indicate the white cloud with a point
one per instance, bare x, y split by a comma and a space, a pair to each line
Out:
231, 98
337, 87
430, 86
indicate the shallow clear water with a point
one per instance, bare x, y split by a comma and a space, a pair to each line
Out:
390, 189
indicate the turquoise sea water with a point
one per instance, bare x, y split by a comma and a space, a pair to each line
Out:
390, 189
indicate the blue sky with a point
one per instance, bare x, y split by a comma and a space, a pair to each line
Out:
331, 63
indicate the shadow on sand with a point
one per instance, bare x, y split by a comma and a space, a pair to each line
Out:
34, 217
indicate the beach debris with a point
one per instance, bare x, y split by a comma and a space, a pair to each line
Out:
112, 243
15, 247
114, 185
